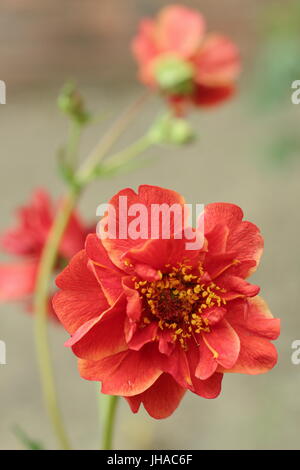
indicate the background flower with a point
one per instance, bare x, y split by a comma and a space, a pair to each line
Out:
177, 57
26, 242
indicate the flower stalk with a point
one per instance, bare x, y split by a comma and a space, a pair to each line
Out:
108, 408
47, 264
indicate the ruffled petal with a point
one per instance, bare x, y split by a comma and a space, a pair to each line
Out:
103, 336
236, 287
257, 355
210, 385
142, 336
207, 363
243, 237
134, 303
119, 237
80, 298
161, 399
254, 315
222, 213
108, 275
127, 373
247, 242
159, 254
224, 343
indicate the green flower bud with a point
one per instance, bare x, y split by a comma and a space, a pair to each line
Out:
70, 102
171, 130
174, 75
181, 132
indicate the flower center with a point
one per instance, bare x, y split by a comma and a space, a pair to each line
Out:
179, 301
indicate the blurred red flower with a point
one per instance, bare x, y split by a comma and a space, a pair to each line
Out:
176, 56
26, 241
151, 319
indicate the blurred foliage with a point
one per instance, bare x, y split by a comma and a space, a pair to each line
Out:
278, 65
27, 441
279, 59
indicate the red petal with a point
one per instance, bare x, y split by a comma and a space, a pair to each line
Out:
217, 239
236, 287
147, 196
127, 373
177, 365
257, 355
142, 336
159, 253
222, 213
207, 363
161, 399
34, 222
180, 30
247, 241
224, 343
81, 298
17, 280
103, 336
108, 275
207, 96
217, 264
201, 361
166, 343
217, 62
143, 45
214, 314
73, 238
254, 316
244, 238
209, 388
134, 303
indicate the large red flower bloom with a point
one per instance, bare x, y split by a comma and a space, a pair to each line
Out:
151, 319
26, 241
176, 56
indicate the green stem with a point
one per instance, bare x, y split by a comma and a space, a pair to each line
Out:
109, 139
120, 159
47, 264
108, 405
73, 143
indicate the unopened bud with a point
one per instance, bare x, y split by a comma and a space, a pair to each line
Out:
71, 103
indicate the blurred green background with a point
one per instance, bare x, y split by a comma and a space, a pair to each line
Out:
247, 153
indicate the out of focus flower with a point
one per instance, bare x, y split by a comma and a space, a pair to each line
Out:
26, 242
152, 318
177, 57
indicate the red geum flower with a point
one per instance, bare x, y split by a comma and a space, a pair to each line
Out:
177, 57
151, 319
26, 241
